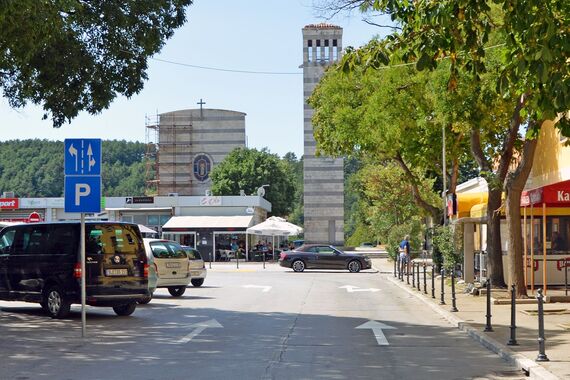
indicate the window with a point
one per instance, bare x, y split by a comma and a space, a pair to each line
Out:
326, 250
112, 239
193, 254
6, 241
167, 250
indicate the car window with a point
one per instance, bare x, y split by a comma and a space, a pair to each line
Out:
112, 239
167, 250
325, 250
6, 241
193, 254
63, 239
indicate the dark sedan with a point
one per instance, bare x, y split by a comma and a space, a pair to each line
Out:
320, 256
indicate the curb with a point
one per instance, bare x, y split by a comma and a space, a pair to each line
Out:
533, 369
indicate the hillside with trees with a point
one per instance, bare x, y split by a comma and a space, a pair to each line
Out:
34, 168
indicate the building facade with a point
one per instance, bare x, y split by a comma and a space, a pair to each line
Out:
191, 143
323, 177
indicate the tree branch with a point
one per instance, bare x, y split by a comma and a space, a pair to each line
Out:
380, 25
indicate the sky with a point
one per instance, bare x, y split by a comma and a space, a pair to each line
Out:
252, 35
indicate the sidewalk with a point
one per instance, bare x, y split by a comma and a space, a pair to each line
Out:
471, 319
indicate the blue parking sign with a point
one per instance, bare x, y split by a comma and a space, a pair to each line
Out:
82, 194
82, 156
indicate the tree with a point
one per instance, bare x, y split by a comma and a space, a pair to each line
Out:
387, 115
296, 167
71, 56
534, 69
248, 169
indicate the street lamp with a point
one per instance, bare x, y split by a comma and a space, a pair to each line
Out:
444, 195
261, 190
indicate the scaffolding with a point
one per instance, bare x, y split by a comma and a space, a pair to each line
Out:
169, 142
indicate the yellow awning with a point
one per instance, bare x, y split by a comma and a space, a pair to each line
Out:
465, 202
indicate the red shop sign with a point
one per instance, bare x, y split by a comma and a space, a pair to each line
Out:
9, 203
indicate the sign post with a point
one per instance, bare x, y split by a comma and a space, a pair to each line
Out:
82, 169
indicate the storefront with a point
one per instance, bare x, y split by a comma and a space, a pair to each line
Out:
546, 226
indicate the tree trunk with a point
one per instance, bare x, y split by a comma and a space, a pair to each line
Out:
494, 249
514, 186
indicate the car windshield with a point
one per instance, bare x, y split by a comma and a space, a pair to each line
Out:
167, 250
192, 253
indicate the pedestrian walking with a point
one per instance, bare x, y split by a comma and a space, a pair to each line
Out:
405, 252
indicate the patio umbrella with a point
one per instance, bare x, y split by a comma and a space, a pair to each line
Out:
275, 226
145, 230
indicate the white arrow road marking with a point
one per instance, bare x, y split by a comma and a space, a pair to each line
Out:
377, 328
352, 289
265, 288
198, 328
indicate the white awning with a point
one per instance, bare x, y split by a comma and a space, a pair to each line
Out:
208, 222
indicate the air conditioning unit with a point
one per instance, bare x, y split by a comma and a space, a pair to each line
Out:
8, 194
172, 194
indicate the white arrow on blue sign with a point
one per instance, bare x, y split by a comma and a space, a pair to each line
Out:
82, 165
82, 156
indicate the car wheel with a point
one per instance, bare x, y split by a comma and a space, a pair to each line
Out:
146, 300
176, 291
298, 265
197, 282
56, 303
125, 310
354, 266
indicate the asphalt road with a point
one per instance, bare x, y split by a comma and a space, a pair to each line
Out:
250, 324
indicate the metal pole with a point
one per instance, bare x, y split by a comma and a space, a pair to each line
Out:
432, 281
413, 274
408, 272
442, 301
395, 264
453, 304
425, 279
488, 327
401, 269
444, 178
565, 277
418, 279
541, 339
513, 339
83, 286
544, 273
263, 254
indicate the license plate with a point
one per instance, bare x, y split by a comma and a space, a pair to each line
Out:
117, 272
194, 273
173, 265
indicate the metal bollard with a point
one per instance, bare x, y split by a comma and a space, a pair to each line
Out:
432, 281
513, 339
566, 262
541, 339
395, 260
418, 279
442, 301
453, 304
488, 327
413, 274
401, 270
425, 279
407, 264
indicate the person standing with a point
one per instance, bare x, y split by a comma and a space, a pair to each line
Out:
405, 252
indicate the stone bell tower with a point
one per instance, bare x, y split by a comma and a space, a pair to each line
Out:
323, 177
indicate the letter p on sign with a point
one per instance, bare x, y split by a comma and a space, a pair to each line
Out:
83, 194
81, 190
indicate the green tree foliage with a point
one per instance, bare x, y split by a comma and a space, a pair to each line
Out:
248, 169
34, 168
296, 167
71, 56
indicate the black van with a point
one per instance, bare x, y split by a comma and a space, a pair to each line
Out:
40, 262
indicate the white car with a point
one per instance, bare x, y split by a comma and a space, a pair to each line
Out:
197, 266
171, 263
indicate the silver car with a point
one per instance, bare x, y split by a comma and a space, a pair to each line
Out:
197, 266
171, 264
